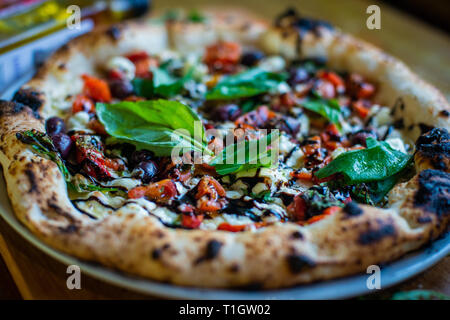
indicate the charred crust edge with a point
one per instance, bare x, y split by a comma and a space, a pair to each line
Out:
435, 146
212, 250
433, 193
375, 235
29, 97
352, 209
298, 262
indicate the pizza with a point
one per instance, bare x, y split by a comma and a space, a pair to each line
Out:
216, 149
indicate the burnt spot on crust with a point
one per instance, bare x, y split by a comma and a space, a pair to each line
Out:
291, 19
425, 128
157, 252
254, 286
71, 228
114, 32
375, 235
433, 194
296, 235
212, 250
435, 146
13, 108
29, 97
352, 209
444, 114
298, 262
32, 179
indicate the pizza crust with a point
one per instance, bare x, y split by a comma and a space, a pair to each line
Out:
277, 256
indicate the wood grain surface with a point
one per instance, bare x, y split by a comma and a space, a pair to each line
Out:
27, 273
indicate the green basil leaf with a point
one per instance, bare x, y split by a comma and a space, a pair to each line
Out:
245, 84
377, 162
196, 16
419, 295
162, 84
153, 125
246, 155
329, 109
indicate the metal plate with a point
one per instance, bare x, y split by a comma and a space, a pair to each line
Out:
347, 287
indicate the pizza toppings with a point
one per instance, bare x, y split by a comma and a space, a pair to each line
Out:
326, 142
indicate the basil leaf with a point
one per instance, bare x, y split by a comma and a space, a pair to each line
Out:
329, 109
162, 84
419, 295
153, 125
245, 84
196, 16
246, 155
43, 144
377, 162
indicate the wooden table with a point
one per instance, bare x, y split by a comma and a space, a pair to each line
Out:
34, 275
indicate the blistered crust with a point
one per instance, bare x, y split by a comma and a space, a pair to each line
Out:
277, 256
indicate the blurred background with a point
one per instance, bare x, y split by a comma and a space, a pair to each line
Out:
416, 31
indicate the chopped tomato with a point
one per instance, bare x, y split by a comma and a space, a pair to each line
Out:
223, 56
136, 193
160, 191
143, 63
115, 74
209, 186
334, 78
360, 109
311, 148
83, 103
331, 137
302, 175
191, 221
358, 88
325, 89
137, 55
96, 89
210, 195
90, 157
143, 68
297, 208
366, 91
287, 100
231, 227
97, 126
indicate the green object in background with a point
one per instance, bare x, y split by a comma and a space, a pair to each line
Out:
419, 295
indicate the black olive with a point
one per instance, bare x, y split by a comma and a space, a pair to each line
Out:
120, 88
289, 125
250, 58
228, 112
63, 143
297, 75
146, 171
55, 125
360, 136
139, 156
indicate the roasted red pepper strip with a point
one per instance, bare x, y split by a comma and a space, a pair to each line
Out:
223, 56
83, 103
230, 227
96, 89
191, 221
